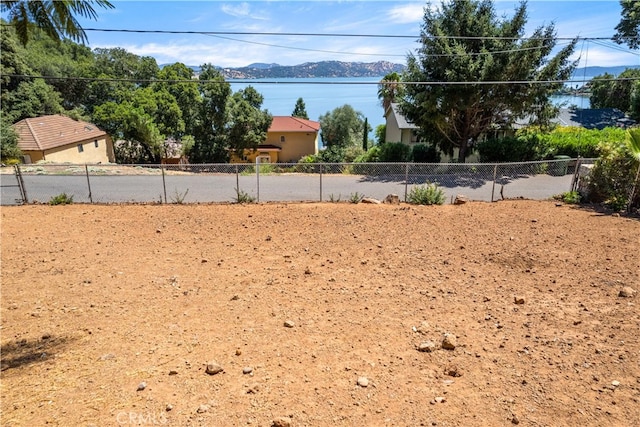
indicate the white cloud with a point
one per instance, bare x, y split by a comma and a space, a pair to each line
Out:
238, 10
242, 10
407, 13
605, 57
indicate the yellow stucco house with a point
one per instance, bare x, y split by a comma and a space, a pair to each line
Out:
288, 140
60, 139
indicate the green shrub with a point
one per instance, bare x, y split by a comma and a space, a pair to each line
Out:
423, 153
244, 197
372, 155
392, 152
570, 197
611, 179
428, 194
331, 155
520, 148
356, 197
178, 197
61, 199
576, 142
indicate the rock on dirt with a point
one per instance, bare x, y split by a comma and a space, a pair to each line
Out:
142, 386
427, 346
452, 371
460, 200
202, 409
213, 368
289, 324
371, 200
627, 292
449, 342
392, 199
281, 422
518, 300
363, 381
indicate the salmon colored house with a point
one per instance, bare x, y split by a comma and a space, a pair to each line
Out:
288, 140
60, 139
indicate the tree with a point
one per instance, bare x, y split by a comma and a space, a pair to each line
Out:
465, 43
55, 18
31, 99
210, 144
247, 126
8, 140
381, 134
365, 135
390, 90
186, 94
138, 137
610, 92
300, 110
341, 127
628, 30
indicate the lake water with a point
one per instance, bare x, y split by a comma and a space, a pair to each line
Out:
322, 95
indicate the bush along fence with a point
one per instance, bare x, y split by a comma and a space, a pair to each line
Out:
329, 182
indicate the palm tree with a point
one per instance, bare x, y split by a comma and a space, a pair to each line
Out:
55, 18
389, 89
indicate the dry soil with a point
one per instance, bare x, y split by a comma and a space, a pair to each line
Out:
110, 315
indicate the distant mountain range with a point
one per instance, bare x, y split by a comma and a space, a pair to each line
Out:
261, 70
591, 72
310, 70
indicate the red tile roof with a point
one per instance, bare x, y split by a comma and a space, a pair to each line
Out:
293, 124
47, 132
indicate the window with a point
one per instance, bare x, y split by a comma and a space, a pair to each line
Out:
282, 138
95, 143
80, 148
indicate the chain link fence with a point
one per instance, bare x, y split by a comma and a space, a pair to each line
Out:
282, 182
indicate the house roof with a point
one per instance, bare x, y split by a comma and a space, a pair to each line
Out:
47, 132
400, 119
593, 118
293, 124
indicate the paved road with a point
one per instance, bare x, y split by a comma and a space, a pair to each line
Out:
286, 187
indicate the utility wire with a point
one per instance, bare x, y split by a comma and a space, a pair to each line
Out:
416, 37
442, 55
389, 36
289, 82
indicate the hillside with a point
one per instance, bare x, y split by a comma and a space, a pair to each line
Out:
313, 69
358, 69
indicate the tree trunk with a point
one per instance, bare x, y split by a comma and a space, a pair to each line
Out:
462, 153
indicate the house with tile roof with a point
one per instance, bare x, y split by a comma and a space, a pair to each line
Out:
288, 140
60, 139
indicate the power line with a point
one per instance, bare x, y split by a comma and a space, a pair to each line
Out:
392, 36
289, 82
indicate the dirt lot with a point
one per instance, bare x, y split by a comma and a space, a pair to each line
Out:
97, 300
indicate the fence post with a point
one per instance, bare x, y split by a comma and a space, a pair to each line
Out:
406, 180
86, 170
164, 184
320, 181
493, 188
258, 178
23, 190
237, 181
574, 181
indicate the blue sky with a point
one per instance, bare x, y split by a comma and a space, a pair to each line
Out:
571, 18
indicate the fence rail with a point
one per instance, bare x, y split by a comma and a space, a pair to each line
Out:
281, 182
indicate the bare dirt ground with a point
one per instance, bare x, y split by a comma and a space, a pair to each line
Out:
97, 300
